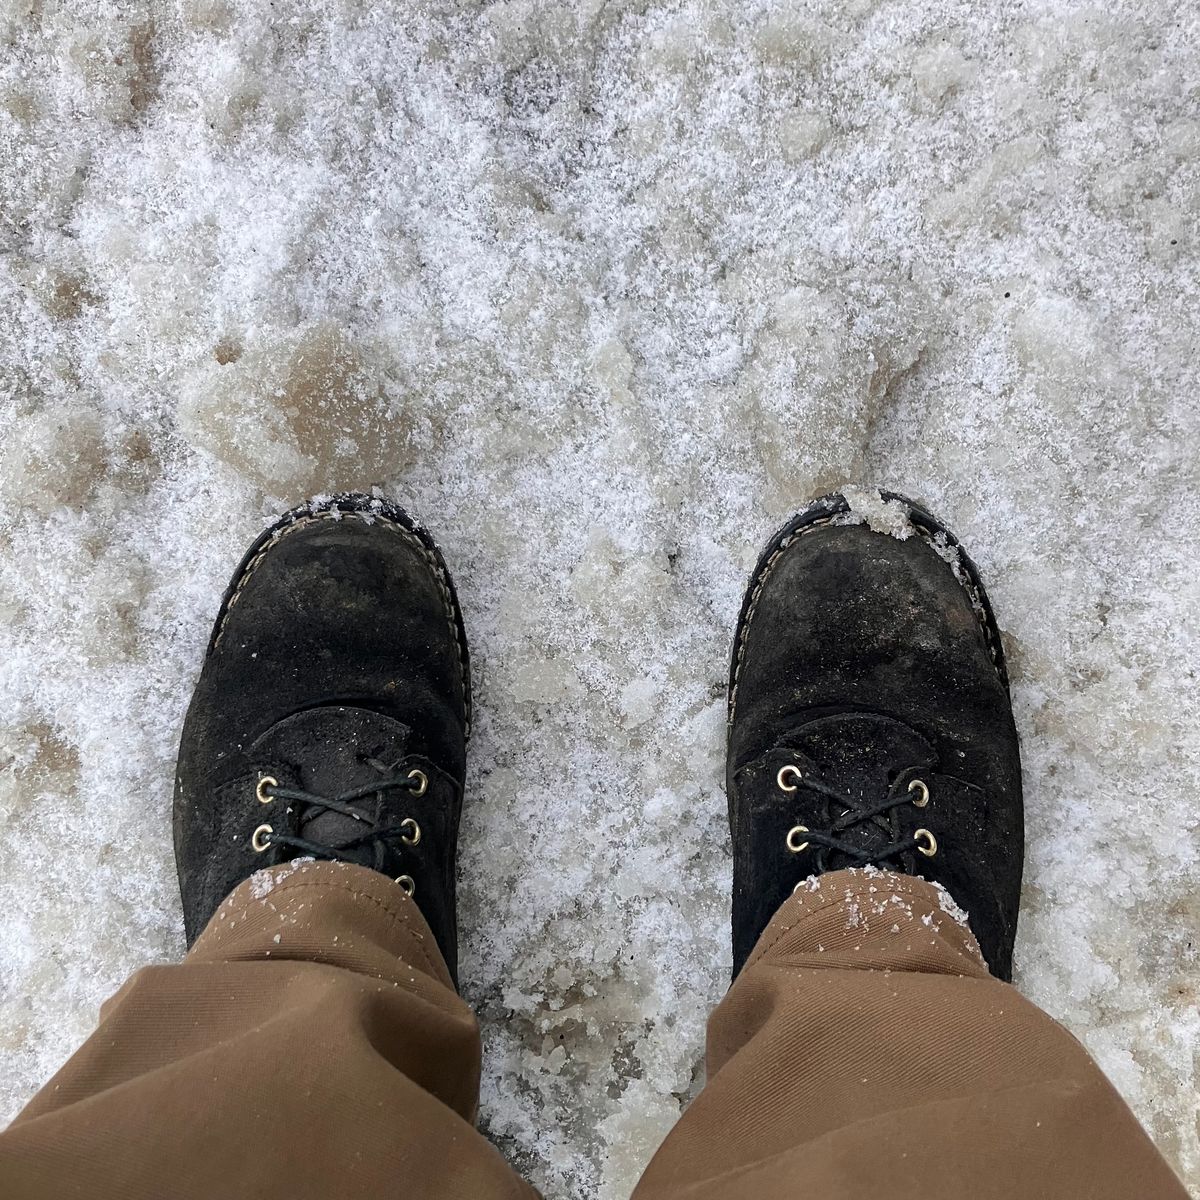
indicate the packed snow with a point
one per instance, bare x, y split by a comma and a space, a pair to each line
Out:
603, 291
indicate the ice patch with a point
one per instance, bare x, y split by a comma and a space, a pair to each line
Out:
309, 411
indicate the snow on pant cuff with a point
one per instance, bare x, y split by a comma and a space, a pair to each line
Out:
324, 912
870, 920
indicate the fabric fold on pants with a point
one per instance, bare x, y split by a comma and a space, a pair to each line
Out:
312, 1045
865, 1051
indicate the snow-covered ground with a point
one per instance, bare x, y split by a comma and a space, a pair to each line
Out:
604, 291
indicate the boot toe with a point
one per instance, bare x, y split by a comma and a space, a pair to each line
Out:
346, 605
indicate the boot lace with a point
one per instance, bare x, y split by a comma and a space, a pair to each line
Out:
378, 838
885, 847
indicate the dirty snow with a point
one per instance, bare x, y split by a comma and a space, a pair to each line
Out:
604, 291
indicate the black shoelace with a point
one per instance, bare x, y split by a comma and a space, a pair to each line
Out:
831, 841
304, 806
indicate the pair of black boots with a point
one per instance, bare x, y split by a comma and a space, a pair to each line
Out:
869, 718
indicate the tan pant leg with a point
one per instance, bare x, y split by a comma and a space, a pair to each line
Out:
865, 1052
310, 1046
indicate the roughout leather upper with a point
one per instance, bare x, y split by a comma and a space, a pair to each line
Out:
869, 661
339, 642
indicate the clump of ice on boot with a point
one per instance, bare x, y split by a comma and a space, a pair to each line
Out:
868, 507
605, 293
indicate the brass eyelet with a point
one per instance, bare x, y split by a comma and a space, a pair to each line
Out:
407, 886
788, 771
265, 782
258, 838
413, 838
422, 781
926, 842
922, 799
792, 844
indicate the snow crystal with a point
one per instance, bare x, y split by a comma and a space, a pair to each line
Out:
604, 293
263, 883
947, 904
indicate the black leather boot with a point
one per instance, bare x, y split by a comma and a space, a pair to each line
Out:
331, 715
870, 723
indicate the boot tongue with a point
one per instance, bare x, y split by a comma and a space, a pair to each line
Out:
327, 751
858, 755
